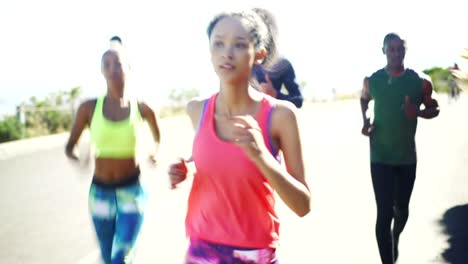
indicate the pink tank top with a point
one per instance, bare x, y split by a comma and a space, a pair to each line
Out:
231, 202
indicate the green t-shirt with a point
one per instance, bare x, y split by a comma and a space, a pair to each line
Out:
392, 141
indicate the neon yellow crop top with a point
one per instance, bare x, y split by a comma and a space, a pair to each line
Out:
115, 139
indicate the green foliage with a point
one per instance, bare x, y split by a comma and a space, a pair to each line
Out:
178, 99
302, 85
10, 129
41, 117
440, 78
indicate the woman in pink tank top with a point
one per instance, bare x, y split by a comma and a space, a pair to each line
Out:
240, 131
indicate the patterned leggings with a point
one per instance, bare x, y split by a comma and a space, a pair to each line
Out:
202, 252
117, 213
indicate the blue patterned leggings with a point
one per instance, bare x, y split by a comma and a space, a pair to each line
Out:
117, 214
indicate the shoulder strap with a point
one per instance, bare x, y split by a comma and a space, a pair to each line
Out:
264, 120
97, 116
205, 105
98, 108
208, 110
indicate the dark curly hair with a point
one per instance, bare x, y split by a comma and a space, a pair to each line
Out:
261, 26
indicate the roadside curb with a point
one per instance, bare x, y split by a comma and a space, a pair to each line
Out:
15, 148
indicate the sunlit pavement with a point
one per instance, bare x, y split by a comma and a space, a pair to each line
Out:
44, 198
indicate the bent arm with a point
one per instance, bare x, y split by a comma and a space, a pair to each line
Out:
150, 117
365, 99
82, 120
431, 106
294, 93
289, 182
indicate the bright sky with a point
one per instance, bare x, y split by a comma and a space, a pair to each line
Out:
50, 45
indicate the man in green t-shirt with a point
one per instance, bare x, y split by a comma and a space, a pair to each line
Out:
398, 93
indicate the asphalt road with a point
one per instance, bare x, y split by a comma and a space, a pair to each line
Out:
45, 218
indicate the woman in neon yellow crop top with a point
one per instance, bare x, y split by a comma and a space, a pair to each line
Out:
116, 198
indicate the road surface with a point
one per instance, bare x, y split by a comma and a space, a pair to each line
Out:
45, 218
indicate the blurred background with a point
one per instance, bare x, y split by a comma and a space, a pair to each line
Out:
51, 50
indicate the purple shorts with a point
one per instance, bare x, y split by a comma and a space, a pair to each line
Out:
202, 252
